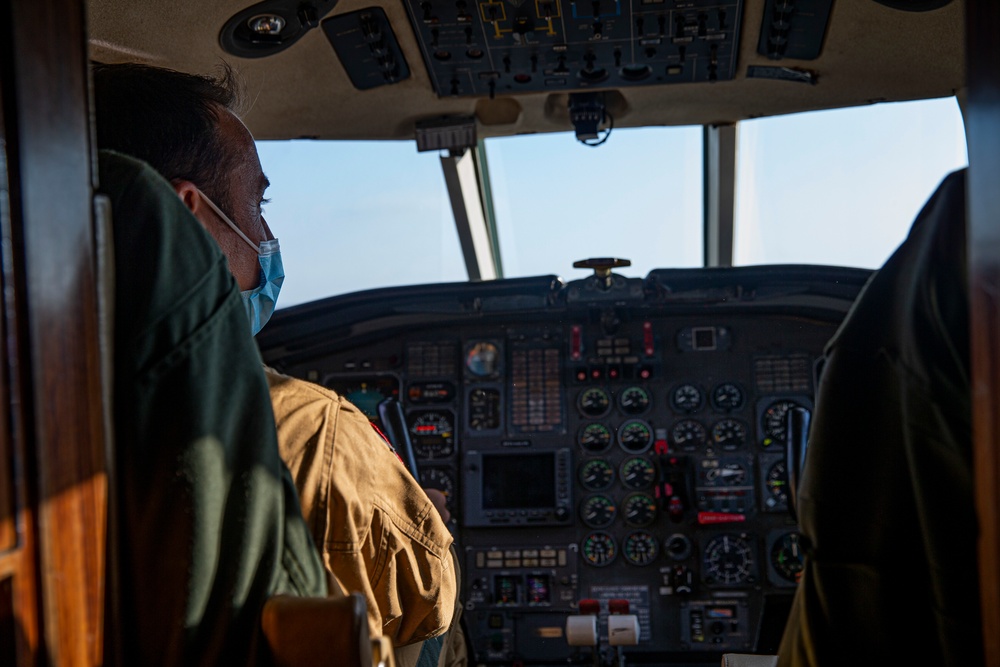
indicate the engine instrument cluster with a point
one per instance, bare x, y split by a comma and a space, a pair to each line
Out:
603, 447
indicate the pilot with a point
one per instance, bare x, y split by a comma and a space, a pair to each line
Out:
379, 533
206, 517
885, 503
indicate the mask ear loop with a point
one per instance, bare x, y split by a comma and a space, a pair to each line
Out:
229, 222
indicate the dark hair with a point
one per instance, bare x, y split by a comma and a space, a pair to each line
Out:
168, 119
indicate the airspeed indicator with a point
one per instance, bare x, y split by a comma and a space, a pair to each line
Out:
774, 422
432, 433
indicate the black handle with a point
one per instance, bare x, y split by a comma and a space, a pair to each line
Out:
796, 442
390, 411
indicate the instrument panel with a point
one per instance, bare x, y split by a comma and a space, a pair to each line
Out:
598, 442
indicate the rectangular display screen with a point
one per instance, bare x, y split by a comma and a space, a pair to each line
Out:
521, 481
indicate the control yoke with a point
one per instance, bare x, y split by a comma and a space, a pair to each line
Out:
602, 268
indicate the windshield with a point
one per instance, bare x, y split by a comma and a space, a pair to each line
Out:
835, 187
841, 187
636, 197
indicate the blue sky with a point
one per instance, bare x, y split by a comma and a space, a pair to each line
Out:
833, 187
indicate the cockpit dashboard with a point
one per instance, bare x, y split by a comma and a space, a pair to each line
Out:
600, 440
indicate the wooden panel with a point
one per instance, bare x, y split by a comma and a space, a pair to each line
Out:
19, 614
52, 248
983, 59
8, 532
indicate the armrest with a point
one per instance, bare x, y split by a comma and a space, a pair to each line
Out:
321, 632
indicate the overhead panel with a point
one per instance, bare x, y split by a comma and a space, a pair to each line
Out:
493, 47
794, 28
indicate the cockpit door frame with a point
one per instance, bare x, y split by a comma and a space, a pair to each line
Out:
983, 123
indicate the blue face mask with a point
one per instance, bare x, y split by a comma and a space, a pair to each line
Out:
259, 301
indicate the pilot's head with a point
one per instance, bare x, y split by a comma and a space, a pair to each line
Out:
187, 128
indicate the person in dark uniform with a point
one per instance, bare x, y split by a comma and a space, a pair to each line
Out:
886, 502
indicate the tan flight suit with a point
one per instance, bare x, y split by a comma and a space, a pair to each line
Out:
378, 532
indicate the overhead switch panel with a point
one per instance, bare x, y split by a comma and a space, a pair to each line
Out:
794, 28
367, 47
493, 47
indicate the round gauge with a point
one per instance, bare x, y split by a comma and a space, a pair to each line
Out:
484, 409
687, 398
440, 479
593, 402
483, 359
596, 475
688, 435
776, 482
598, 549
787, 557
678, 546
637, 472
432, 433
729, 434
774, 423
639, 509
635, 436
640, 548
594, 437
597, 511
727, 396
729, 474
728, 559
633, 400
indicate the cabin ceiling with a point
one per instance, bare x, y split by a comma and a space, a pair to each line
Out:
871, 53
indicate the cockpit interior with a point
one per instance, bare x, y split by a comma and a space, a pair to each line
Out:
618, 451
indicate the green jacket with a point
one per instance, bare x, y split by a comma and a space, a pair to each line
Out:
210, 525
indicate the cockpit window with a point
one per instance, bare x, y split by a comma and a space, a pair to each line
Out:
841, 187
638, 196
833, 187
356, 215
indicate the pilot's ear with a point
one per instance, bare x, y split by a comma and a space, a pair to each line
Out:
188, 192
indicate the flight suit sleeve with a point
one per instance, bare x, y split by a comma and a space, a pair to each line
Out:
379, 532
